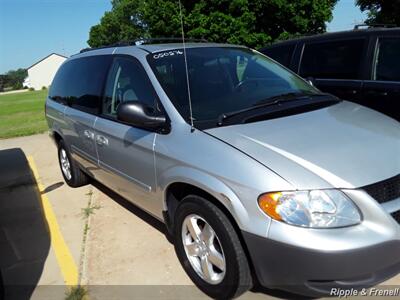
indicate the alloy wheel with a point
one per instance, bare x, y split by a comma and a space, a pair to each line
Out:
203, 249
65, 164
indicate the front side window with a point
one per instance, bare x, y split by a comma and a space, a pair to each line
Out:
127, 81
387, 65
222, 80
332, 60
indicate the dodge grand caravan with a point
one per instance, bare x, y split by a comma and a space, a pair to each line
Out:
258, 176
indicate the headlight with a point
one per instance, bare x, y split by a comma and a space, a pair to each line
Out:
316, 208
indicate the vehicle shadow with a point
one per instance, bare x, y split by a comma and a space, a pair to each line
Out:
280, 294
24, 234
146, 217
152, 221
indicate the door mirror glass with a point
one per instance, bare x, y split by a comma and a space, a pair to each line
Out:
138, 114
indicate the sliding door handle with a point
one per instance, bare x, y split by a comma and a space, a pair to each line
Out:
88, 134
101, 140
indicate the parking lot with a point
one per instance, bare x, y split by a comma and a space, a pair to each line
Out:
52, 235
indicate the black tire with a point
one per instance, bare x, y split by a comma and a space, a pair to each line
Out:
1, 287
78, 178
237, 279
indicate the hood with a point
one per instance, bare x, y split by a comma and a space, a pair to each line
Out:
343, 146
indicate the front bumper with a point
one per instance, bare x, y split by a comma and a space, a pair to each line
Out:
314, 273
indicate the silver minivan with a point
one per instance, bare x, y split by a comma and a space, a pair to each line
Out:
258, 176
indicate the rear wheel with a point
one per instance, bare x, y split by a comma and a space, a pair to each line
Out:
71, 172
209, 249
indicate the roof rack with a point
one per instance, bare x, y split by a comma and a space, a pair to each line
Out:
146, 41
167, 40
119, 44
359, 26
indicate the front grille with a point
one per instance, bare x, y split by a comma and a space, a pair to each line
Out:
385, 190
396, 216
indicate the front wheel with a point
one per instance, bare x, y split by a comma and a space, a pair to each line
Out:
209, 249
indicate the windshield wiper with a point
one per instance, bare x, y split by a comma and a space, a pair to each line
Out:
270, 101
285, 97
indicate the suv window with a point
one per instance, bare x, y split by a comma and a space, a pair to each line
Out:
336, 59
387, 65
282, 54
127, 81
79, 82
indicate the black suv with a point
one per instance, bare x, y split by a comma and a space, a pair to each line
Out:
361, 65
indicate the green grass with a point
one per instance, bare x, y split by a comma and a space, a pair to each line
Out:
87, 211
22, 114
76, 293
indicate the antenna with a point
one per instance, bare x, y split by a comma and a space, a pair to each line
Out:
186, 70
63, 49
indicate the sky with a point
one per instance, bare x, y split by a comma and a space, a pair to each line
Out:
32, 29
345, 15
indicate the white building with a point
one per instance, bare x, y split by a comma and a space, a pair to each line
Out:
27, 82
42, 72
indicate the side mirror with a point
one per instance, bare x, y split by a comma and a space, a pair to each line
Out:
138, 114
311, 80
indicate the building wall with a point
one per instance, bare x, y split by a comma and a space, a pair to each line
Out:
42, 74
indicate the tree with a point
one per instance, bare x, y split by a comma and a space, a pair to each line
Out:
252, 23
135, 19
3, 79
381, 11
15, 78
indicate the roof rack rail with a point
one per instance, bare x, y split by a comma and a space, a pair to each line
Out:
146, 41
358, 26
119, 44
166, 40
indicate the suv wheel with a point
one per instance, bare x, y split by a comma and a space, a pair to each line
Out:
209, 249
72, 174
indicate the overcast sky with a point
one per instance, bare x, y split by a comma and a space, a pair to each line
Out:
32, 29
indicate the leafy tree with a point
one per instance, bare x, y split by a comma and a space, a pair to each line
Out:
135, 19
252, 23
14, 78
3, 79
381, 11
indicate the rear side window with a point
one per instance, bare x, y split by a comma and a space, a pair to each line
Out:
58, 88
79, 82
387, 65
282, 54
334, 60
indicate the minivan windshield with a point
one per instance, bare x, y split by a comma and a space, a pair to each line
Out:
223, 80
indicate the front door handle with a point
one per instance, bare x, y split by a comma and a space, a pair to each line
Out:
88, 134
351, 92
377, 93
101, 140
